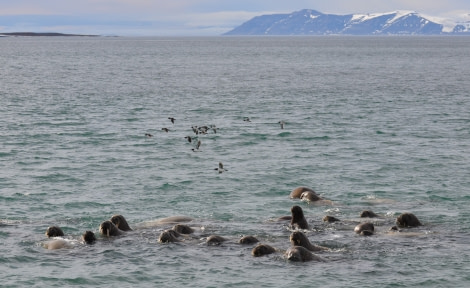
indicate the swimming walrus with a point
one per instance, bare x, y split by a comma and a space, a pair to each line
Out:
365, 229
88, 237
330, 219
368, 214
309, 196
120, 222
54, 231
300, 254
107, 228
261, 250
297, 192
215, 240
298, 238
183, 229
171, 220
408, 220
298, 219
169, 236
248, 240
59, 243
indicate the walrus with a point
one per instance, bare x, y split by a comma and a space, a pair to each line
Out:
120, 222
248, 240
215, 240
261, 250
284, 218
169, 236
300, 254
167, 220
54, 231
298, 238
368, 214
330, 219
183, 229
59, 243
297, 192
309, 196
408, 220
365, 229
298, 220
88, 237
107, 228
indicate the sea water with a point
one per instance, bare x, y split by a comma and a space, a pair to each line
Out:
371, 123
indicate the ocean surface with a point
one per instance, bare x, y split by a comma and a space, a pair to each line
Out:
371, 123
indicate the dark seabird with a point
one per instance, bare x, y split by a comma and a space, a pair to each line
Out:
282, 124
197, 146
195, 130
220, 168
188, 138
214, 128
148, 135
203, 129
165, 129
246, 119
172, 119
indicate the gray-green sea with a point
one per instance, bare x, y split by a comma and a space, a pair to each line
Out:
371, 123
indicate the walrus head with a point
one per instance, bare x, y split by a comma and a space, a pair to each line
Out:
330, 219
107, 228
120, 222
54, 231
168, 236
215, 240
368, 214
408, 220
262, 249
248, 240
309, 196
298, 254
365, 229
89, 237
297, 192
298, 218
297, 238
183, 229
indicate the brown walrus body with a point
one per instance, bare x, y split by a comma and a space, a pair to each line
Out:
120, 223
107, 228
215, 240
298, 238
330, 219
368, 214
365, 229
88, 237
408, 220
183, 229
309, 196
262, 249
297, 192
298, 219
54, 231
248, 240
169, 236
298, 254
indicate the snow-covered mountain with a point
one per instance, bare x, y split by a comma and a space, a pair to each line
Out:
311, 22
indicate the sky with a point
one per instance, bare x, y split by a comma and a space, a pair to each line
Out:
187, 17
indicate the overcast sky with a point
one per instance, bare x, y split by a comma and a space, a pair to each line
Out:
186, 17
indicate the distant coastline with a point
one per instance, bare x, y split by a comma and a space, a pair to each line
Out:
44, 34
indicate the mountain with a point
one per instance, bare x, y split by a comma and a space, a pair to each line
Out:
311, 22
